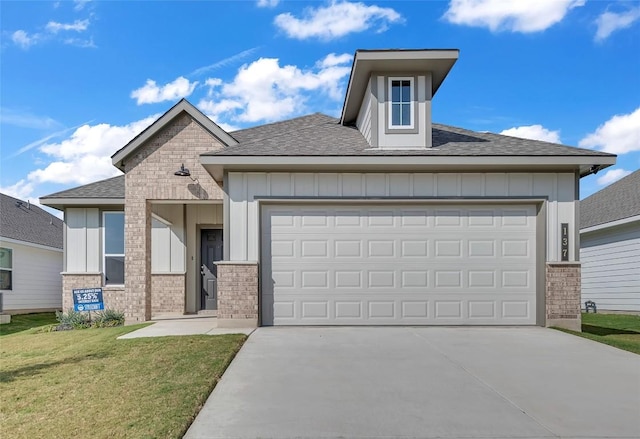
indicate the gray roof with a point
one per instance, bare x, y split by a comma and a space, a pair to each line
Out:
617, 201
29, 223
322, 135
109, 188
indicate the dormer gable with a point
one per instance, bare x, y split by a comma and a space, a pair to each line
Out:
389, 95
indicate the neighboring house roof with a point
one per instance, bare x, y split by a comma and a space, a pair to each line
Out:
22, 221
322, 135
615, 202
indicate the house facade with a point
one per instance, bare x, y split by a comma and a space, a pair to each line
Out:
381, 217
610, 246
31, 257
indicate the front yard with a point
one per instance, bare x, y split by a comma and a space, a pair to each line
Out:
85, 383
619, 330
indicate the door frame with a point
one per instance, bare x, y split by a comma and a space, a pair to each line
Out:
198, 254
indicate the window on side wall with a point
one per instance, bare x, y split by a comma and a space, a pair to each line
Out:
401, 103
113, 247
6, 269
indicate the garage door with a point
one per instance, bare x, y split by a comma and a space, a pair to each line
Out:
398, 265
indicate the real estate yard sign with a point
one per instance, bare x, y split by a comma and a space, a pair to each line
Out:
87, 299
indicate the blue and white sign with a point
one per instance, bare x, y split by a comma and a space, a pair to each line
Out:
88, 299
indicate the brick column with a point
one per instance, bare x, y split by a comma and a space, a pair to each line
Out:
78, 280
137, 251
237, 294
563, 295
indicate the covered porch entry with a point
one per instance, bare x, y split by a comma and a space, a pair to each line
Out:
186, 241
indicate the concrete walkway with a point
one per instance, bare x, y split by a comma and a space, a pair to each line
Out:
189, 325
423, 383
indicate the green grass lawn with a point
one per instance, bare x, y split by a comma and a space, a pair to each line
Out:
85, 383
618, 330
22, 322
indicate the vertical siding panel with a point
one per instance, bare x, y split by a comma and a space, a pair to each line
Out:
496, 185
237, 230
446, 185
351, 185
399, 185
76, 219
471, 185
328, 185
375, 185
256, 183
423, 185
93, 240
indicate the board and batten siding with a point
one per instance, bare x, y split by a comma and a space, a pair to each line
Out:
82, 240
611, 267
245, 187
363, 122
37, 283
167, 239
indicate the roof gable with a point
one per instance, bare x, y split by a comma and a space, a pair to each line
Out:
165, 120
22, 221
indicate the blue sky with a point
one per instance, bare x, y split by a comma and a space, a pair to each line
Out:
79, 79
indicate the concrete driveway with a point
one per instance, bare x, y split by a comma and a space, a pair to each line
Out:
423, 383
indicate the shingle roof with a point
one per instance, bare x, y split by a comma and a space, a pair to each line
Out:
109, 188
617, 201
29, 223
322, 135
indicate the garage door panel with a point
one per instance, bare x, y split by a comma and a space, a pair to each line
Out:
398, 265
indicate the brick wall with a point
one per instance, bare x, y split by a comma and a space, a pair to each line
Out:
563, 295
238, 292
149, 175
167, 294
113, 296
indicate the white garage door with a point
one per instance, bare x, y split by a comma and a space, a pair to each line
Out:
398, 265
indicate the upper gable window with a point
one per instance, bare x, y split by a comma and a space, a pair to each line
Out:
401, 103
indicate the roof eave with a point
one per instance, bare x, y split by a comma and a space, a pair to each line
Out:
216, 165
62, 203
610, 224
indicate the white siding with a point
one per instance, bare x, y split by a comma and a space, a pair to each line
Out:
82, 240
168, 239
37, 283
611, 267
244, 187
363, 122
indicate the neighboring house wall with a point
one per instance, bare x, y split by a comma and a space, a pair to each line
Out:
611, 267
36, 282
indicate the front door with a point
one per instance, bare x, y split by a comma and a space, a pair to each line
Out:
210, 252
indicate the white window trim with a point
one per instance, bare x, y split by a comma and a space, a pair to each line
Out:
390, 124
9, 269
104, 252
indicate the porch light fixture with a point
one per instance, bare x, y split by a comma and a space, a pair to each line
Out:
182, 172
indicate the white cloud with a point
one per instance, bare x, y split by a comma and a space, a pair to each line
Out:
533, 132
151, 93
618, 135
26, 119
516, 16
266, 91
609, 22
23, 40
79, 42
80, 4
611, 176
268, 3
82, 158
77, 26
337, 20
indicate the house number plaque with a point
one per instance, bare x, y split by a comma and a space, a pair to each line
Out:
564, 241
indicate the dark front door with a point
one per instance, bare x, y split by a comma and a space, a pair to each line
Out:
210, 252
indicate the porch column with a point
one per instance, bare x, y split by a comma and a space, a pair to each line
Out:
563, 295
137, 255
